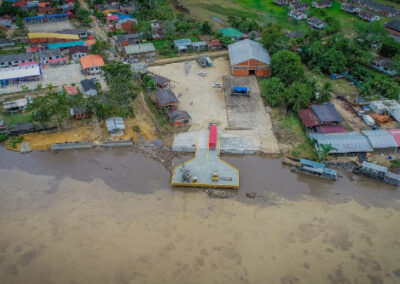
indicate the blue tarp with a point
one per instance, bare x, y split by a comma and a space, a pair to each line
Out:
239, 89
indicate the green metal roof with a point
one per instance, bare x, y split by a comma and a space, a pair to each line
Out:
231, 32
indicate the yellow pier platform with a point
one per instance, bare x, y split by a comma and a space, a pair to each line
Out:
206, 169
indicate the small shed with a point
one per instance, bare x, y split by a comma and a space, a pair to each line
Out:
182, 45
316, 23
115, 126
214, 44
166, 99
308, 118
232, 33
160, 81
79, 112
88, 87
179, 117
327, 114
199, 45
15, 106
326, 129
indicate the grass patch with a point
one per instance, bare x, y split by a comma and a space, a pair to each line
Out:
12, 119
13, 141
160, 114
305, 149
136, 128
395, 163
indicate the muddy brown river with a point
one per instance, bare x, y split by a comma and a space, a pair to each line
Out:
110, 216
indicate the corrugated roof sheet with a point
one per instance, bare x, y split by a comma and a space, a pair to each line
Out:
396, 135
331, 129
91, 60
52, 35
374, 167
115, 124
19, 72
395, 113
165, 96
350, 142
231, 32
380, 139
308, 117
247, 49
182, 42
139, 48
327, 113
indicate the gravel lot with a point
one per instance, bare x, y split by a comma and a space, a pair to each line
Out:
49, 27
204, 103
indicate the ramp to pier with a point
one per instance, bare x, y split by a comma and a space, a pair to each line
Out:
206, 163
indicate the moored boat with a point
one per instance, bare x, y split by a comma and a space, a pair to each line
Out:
310, 168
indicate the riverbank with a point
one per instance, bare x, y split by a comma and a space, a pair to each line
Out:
109, 216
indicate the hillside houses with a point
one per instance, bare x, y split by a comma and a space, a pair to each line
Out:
350, 8
393, 27
299, 6
297, 15
379, 8
12, 60
322, 4
316, 23
367, 16
383, 65
285, 2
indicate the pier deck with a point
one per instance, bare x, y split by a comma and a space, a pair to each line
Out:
202, 166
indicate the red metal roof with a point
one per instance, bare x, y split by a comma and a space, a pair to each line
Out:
331, 129
57, 60
28, 63
214, 42
308, 117
396, 135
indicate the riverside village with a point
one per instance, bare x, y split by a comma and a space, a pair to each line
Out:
242, 100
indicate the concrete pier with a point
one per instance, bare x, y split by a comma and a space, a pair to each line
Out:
206, 169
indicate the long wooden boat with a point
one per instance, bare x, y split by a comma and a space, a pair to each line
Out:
310, 168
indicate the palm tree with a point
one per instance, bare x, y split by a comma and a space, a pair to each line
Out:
323, 151
325, 92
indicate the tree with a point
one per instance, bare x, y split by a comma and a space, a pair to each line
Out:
273, 38
274, 91
206, 28
101, 47
20, 24
53, 107
389, 48
396, 63
323, 151
286, 66
298, 96
325, 92
333, 25
333, 61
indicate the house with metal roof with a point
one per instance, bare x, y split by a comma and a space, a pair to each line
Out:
49, 54
160, 81
20, 74
350, 8
88, 88
308, 118
381, 140
327, 114
81, 32
166, 99
367, 16
16, 105
91, 64
316, 23
13, 60
393, 27
199, 45
232, 33
182, 45
321, 4
76, 52
249, 57
299, 6
135, 53
384, 65
297, 15
65, 45
343, 143
179, 117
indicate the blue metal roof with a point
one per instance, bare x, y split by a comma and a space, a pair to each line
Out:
312, 164
34, 18
66, 44
327, 113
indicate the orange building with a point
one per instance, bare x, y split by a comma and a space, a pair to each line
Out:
91, 64
248, 57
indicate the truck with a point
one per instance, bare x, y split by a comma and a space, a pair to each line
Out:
240, 91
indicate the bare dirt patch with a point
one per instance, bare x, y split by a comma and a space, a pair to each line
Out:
349, 115
204, 103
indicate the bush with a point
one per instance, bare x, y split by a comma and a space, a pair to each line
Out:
136, 128
15, 140
3, 137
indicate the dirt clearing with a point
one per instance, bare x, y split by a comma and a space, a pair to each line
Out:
349, 115
204, 103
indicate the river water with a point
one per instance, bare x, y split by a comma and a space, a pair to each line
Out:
110, 216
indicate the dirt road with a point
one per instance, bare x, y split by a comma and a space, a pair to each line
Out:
99, 31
